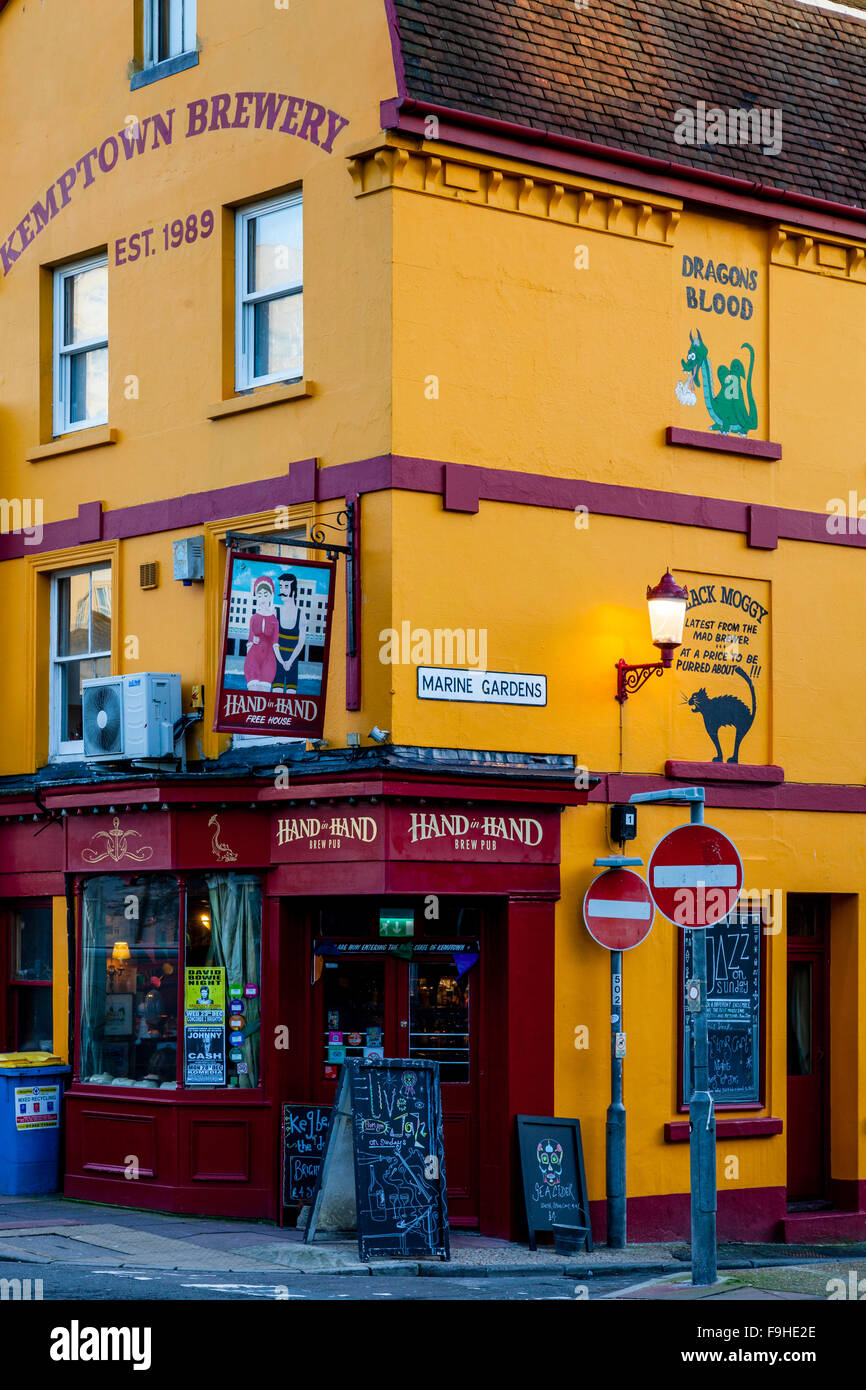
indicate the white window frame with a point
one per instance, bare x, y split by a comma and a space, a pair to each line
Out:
68, 748
245, 301
64, 352
181, 24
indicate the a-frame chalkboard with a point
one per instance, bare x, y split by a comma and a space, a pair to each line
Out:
554, 1180
383, 1169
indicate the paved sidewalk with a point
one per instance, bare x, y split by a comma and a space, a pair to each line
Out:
816, 1283
51, 1229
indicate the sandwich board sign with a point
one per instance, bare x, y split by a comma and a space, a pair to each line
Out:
383, 1168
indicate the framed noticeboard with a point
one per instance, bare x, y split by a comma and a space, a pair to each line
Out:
735, 1010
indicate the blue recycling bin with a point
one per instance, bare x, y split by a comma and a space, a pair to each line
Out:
31, 1100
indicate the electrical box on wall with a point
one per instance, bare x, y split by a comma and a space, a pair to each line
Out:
188, 558
623, 823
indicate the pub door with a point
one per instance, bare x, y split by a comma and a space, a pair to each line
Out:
411, 997
808, 1046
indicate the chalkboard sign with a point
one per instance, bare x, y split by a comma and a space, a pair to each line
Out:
733, 1009
305, 1129
386, 1132
554, 1179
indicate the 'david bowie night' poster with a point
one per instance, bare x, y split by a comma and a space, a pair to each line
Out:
274, 649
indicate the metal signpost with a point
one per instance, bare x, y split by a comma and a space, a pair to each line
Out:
618, 912
706, 863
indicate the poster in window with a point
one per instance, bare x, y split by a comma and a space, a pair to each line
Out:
204, 1026
118, 1015
733, 1009
276, 633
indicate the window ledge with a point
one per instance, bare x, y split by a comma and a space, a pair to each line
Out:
73, 443
257, 399
165, 69
760, 774
724, 443
758, 1127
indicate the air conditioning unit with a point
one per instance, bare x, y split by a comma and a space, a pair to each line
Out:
130, 716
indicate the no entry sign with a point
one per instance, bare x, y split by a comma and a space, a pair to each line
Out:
695, 876
618, 910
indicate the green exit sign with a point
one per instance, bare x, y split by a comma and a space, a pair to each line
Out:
397, 924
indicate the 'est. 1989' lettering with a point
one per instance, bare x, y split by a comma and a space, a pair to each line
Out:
183, 229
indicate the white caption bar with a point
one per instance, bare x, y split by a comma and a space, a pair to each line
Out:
615, 907
692, 875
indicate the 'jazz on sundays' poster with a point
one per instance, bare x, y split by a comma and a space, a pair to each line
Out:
274, 650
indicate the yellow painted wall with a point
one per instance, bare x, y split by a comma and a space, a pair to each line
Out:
450, 314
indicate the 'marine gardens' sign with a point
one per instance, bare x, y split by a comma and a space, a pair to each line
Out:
274, 651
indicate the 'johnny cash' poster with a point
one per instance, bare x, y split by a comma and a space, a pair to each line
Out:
274, 652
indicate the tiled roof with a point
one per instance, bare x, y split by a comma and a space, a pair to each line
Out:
614, 72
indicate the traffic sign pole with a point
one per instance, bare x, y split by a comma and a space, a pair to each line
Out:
618, 912
615, 1126
702, 1118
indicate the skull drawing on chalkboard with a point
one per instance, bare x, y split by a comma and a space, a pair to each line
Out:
549, 1155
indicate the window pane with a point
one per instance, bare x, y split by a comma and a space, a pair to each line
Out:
275, 251
278, 326
72, 673
88, 385
100, 612
31, 943
73, 614
35, 1028
223, 928
163, 29
354, 1004
86, 305
129, 981
799, 1018
439, 1018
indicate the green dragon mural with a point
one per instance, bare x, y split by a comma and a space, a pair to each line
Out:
732, 409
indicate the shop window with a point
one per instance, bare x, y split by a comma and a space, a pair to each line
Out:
80, 649
224, 929
81, 345
129, 981
30, 1025
270, 293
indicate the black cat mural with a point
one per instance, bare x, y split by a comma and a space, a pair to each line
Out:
721, 711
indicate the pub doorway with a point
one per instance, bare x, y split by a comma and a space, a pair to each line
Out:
808, 989
390, 975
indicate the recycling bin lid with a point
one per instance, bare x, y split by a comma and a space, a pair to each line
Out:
28, 1059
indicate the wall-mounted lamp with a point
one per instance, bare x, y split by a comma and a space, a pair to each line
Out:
667, 604
379, 735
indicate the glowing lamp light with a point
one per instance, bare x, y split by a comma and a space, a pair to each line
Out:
667, 604
121, 951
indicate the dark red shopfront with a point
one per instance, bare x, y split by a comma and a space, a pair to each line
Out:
299, 887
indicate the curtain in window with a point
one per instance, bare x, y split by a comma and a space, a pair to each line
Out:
799, 1018
236, 917
93, 977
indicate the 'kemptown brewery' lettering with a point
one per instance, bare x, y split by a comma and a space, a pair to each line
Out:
426, 825
297, 116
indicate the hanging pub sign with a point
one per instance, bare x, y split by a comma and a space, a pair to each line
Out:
276, 632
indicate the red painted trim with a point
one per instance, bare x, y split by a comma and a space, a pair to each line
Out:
744, 1213
499, 137
724, 772
396, 49
400, 473
848, 1194
805, 1227
763, 528
677, 1131
723, 443
353, 662
789, 796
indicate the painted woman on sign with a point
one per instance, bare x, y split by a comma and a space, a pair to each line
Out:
260, 664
